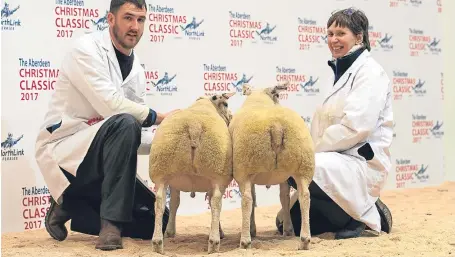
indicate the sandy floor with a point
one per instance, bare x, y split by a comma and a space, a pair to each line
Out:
424, 225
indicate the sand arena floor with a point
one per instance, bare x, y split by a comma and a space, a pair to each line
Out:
424, 225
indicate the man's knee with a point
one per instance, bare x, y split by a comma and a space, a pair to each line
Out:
126, 129
128, 121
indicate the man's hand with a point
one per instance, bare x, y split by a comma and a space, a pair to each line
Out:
161, 116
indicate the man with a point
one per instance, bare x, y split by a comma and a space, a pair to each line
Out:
87, 147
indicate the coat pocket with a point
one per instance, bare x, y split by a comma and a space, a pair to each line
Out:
375, 173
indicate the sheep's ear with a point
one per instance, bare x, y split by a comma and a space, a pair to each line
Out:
228, 95
281, 87
246, 89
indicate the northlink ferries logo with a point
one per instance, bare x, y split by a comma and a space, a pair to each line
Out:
264, 34
437, 131
418, 88
191, 29
393, 129
416, 3
325, 38
7, 22
433, 46
239, 84
9, 151
101, 23
164, 85
308, 86
307, 120
420, 174
385, 42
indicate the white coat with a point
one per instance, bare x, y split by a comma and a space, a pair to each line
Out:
356, 111
89, 87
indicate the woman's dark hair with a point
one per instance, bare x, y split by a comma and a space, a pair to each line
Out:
353, 19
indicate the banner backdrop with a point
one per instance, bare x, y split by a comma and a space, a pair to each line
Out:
203, 47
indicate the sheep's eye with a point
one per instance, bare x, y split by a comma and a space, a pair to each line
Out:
214, 97
225, 104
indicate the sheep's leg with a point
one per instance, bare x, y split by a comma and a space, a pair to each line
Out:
288, 230
304, 199
215, 206
209, 195
160, 202
252, 219
174, 205
247, 205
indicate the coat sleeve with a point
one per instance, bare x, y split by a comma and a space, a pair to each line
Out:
87, 71
361, 111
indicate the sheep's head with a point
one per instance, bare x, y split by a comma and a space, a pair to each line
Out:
246, 89
274, 92
221, 105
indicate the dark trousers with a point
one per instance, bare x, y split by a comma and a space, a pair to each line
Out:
325, 214
107, 175
105, 185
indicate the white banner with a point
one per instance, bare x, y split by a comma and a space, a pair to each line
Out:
204, 47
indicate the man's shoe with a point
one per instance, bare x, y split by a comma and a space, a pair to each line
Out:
352, 230
386, 216
110, 237
55, 221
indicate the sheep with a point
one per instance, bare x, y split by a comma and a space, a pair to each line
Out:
270, 144
192, 152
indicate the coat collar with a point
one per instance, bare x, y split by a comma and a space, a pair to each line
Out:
349, 74
109, 48
341, 65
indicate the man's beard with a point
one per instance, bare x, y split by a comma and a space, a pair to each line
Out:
121, 41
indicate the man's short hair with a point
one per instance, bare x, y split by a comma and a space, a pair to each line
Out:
116, 4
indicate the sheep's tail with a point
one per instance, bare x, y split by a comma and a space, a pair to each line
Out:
194, 131
277, 137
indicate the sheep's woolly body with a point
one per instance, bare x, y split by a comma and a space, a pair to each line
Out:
270, 144
269, 138
192, 152
178, 143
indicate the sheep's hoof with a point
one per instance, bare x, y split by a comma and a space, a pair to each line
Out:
214, 245
245, 243
304, 243
288, 232
157, 245
170, 233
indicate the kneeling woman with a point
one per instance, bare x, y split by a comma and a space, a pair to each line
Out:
352, 133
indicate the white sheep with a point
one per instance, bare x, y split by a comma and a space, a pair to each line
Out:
270, 144
192, 152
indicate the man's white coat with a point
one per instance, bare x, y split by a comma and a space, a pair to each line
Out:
89, 90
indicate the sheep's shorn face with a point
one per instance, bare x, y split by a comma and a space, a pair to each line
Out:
221, 104
274, 92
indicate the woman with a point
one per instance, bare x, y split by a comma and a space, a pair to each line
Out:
352, 133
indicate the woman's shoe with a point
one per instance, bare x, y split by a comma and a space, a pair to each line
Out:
352, 230
386, 216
